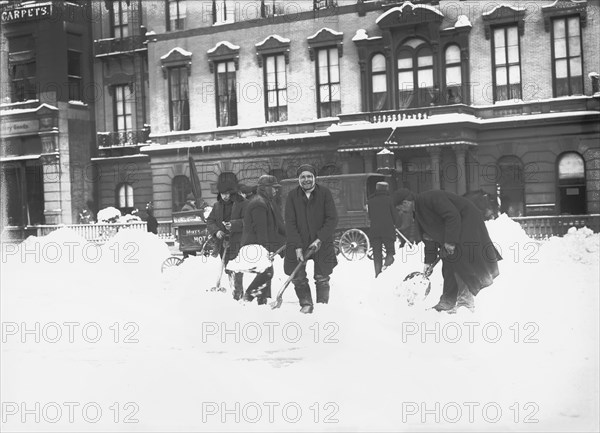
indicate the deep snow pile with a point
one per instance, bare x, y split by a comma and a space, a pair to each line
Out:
358, 353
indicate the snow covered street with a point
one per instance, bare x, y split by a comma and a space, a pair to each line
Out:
98, 339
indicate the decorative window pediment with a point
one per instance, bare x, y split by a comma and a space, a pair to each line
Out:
561, 8
409, 15
325, 38
176, 57
273, 44
502, 15
221, 52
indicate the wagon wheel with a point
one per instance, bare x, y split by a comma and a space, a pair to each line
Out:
354, 244
170, 262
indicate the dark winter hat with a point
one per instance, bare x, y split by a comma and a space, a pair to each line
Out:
190, 196
382, 186
403, 194
268, 180
247, 189
306, 167
227, 186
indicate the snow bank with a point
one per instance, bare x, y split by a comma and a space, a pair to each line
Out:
108, 214
577, 246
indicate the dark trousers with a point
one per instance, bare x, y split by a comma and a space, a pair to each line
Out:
260, 287
303, 289
390, 250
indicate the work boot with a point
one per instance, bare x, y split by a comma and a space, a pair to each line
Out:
307, 309
303, 292
322, 284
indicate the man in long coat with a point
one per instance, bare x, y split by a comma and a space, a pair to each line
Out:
310, 221
382, 231
453, 228
263, 225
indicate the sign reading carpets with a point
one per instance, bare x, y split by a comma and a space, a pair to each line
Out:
25, 13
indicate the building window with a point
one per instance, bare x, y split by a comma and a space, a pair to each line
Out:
276, 88
226, 94
179, 103
271, 8
415, 74
453, 71
328, 82
123, 102
512, 186
223, 11
175, 14
125, 198
378, 83
571, 184
324, 4
22, 68
180, 188
567, 56
119, 19
74, 75
507, 64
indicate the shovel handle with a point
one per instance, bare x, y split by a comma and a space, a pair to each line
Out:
279, 298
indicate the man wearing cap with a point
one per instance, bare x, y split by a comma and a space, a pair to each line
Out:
190, 203
453, 228
263, 225
384, 218
219, 224
310, 221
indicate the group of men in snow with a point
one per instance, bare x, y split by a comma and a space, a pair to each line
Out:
451, 227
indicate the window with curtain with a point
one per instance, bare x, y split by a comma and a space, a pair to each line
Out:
22, 68
122, 109
415, 74
223, 11
507, 64
567, 56
226, 94
328, 82
378, 83
179, 102
271, 8
176, 10
276, 88
125, 198
120, 19
453, 71
180, 188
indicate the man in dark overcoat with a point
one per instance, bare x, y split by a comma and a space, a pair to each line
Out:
263, 225
384, 218
310, 222
453, 228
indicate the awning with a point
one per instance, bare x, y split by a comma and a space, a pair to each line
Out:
393, 145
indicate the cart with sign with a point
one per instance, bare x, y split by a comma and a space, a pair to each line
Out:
192, 235
350, 194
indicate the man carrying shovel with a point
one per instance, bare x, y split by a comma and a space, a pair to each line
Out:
453, 228
310, 220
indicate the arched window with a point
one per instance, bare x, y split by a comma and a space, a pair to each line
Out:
512, 186
124, 199
453, 72
378, 83
180, 188
571, 183
415, 74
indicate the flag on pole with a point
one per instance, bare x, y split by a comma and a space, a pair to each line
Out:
195, 180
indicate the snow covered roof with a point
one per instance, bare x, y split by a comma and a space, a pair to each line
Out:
28, 110
178, 50
504, 5
463, 21
401, 8
279, 38
326, 29
226, 43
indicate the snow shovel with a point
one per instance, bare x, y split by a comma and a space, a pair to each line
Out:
419, 281
279, 299
409, 243
218, 287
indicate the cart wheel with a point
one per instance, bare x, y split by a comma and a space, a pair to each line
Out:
354, 244
170, 262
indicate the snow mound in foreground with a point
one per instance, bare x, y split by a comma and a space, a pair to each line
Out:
135, 249
577, 246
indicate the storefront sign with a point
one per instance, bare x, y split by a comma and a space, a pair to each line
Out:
25, 13
22, 127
